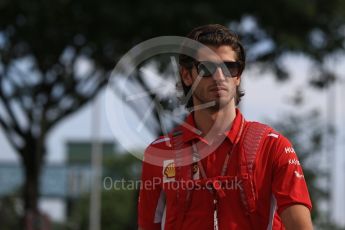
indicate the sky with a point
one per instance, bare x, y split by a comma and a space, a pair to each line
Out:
265, 99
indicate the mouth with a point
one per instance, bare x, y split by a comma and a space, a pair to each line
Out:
218, 88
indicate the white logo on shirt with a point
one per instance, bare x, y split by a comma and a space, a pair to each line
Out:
298, 175
289, 150
294, 162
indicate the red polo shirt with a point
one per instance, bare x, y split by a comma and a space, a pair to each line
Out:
278, 177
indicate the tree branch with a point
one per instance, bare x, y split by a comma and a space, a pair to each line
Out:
8, 130
22, 75
80, 101
9, 110
18, 96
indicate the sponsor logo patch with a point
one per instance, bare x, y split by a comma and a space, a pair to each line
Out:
169, 171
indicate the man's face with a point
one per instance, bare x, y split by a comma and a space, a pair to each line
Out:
216, 88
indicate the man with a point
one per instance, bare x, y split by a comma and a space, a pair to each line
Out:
222, 172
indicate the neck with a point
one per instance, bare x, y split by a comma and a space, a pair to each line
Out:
214, 120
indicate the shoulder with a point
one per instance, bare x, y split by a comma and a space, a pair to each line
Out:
159, 151
278, 146
258, 130
166, 142
266, 130
162, 142
273, 141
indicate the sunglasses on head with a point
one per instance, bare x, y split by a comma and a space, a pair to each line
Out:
208, 68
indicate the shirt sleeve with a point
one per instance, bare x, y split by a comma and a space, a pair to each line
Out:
151, 197
289, 186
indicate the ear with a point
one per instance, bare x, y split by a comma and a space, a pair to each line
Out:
237, 80
186, 76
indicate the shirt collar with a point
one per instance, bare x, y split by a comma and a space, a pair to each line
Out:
190, 132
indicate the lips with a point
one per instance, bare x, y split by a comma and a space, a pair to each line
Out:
218, 88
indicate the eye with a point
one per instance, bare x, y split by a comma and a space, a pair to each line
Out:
233, 68
205, 69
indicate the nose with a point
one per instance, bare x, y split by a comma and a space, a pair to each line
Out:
218, 75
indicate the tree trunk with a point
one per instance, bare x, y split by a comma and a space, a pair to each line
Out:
32, 162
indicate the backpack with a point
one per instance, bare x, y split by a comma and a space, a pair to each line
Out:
250, 143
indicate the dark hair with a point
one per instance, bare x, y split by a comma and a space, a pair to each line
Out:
214, 35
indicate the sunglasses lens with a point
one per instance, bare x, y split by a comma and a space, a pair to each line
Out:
232, 69
206, 69
229, 69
